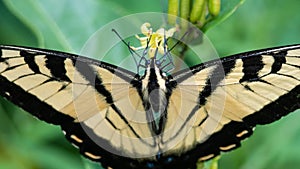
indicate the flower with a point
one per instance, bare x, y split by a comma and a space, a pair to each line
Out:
154, 40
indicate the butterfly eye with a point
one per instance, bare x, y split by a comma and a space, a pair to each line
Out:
158, 63
148, 62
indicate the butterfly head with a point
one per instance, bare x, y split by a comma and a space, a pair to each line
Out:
153, 52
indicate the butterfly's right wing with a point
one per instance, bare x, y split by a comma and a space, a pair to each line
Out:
217, 104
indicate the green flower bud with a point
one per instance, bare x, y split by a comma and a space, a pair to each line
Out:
214, 7
173, 8
197, 10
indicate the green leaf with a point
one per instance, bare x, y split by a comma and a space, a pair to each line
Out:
11, 25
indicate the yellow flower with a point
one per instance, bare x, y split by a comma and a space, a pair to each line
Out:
156, 40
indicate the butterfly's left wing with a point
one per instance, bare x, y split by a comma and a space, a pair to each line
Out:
81, 95
218, 103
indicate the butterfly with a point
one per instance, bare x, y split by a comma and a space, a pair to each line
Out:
157, 118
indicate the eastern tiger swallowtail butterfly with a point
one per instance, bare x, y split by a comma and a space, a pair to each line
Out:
178, 118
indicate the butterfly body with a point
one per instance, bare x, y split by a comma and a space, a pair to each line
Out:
154, 120
154, 91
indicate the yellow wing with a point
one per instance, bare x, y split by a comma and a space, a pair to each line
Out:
218, 103
96, 98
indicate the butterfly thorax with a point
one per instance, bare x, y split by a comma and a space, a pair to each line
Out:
154, 96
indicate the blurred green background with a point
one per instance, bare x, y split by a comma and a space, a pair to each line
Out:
26, 143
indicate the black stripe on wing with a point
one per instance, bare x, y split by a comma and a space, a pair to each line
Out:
29, 59
56, 66
279, 60
217, 75
252, 65
1, 58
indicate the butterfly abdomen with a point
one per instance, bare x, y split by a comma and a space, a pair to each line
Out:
155, 97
